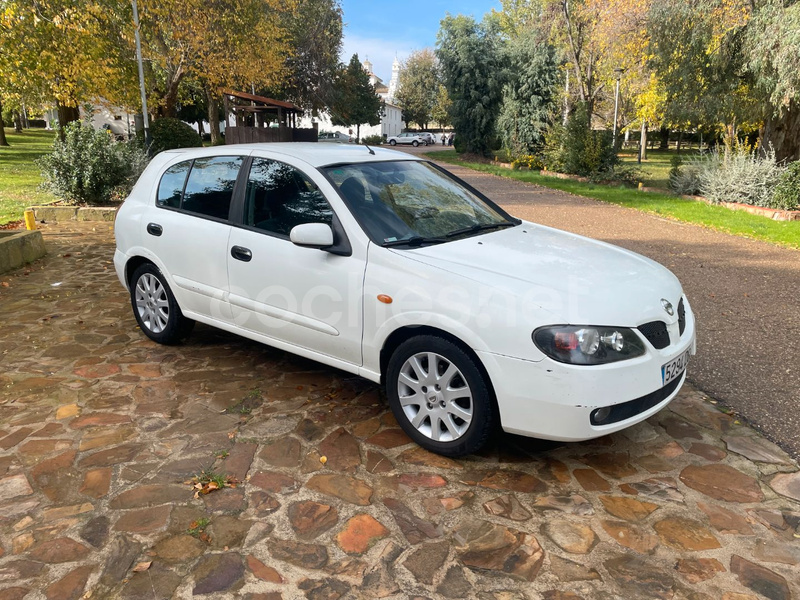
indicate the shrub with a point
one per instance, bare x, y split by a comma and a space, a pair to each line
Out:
372, 140
527, 161
684, 179
577, 149
738, 175
787, 193
89, 166
168, 133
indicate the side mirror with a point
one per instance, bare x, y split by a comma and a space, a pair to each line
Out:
312, 235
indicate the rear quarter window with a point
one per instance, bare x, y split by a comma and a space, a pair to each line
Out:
170, 189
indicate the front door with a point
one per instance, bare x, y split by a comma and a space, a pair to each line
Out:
303, 296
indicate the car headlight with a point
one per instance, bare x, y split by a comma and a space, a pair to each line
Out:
588, 345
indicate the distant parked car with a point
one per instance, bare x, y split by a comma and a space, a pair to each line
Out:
334, 137
428, 137
406, 138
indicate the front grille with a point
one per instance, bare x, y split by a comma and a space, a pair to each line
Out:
656, 333
626, 410
681, 316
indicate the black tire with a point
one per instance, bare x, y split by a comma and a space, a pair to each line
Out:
392, 142
483, 405
170, 330
415, 143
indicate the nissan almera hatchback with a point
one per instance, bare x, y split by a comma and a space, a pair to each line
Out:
381, 264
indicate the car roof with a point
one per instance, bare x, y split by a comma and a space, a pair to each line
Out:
317, 155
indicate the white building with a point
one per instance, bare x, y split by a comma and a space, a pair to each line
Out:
392, 120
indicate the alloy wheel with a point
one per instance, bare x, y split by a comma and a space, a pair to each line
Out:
435, 397
152, 303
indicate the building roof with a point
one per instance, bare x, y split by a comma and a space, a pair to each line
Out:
262, 100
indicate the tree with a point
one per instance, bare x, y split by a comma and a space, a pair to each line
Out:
773, 47
64, 51
314, 31
355, 101
473, 71
418, 87
736, 65
221, 43
440, 112
529, 95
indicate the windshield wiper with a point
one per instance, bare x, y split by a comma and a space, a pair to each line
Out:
414, 241
477, 228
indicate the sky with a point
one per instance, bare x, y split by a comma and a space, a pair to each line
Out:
382, 29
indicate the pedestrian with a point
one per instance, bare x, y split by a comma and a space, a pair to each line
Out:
444, 138
450, 139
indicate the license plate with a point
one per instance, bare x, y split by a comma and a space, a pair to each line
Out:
674, 368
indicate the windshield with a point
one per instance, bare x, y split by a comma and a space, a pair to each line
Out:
412, 202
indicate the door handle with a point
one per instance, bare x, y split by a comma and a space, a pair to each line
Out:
240, 253
154, 229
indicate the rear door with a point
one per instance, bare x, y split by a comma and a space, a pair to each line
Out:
188, 229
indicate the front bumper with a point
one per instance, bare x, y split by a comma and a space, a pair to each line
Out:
554, 401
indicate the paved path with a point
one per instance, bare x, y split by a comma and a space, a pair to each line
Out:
101, 432
745, 293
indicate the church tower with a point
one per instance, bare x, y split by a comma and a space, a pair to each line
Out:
393, 82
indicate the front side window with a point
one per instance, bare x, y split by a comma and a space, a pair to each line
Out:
209, 189
413, 201
170, 189
279, 197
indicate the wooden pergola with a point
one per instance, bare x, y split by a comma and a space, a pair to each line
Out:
256, 117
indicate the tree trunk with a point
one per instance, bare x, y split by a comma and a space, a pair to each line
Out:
213, 116
17, 122
643, 143
66, 115
358, 134
782, 134
680, 140
169, 108
664, 145
3, 140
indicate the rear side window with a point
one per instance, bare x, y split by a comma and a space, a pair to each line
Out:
209, 189
170, 189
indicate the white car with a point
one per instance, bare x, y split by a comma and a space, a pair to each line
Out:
382, 264
405, 138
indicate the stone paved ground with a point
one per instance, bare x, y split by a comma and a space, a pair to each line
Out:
101, 428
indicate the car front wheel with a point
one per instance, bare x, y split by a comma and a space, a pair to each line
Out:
439, 396
392, 142
155, 308
415, 143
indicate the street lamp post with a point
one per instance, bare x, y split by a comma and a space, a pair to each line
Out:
617, 75
145, 117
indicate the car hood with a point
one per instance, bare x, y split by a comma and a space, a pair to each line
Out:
576, 279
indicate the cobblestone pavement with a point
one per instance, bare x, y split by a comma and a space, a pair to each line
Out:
100, 429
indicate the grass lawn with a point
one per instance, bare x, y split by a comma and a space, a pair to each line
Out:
654, 170
785, 233
19, 176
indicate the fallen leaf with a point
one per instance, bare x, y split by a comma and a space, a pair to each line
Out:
4, 284
142, 566
323, 459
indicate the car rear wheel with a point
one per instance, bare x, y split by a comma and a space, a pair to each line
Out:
415, 143
392, 142
155, 308
439, 396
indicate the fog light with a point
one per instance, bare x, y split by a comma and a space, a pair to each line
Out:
599, 415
